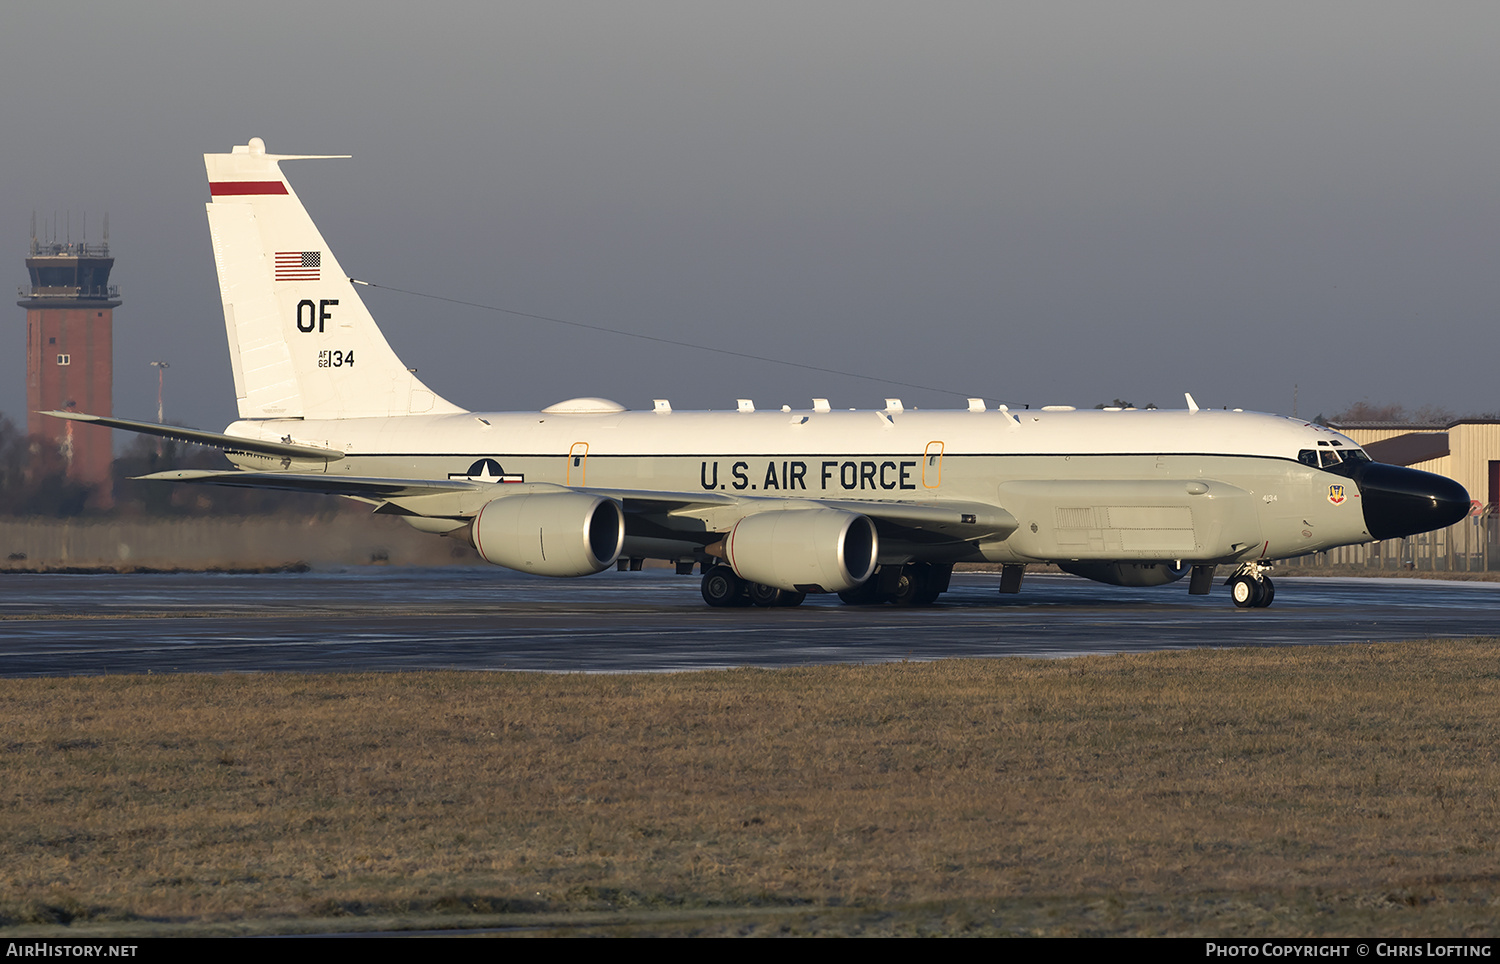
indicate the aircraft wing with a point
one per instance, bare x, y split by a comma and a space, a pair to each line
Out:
935, 521
958, 520
675, 513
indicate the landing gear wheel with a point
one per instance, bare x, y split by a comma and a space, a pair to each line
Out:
866, 593
766, 596
1267, 593
914, 587
790, 599
721, 588
1246, 592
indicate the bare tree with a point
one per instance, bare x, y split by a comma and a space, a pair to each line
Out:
1366, 411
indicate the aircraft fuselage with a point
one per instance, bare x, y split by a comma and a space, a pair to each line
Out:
1081, 485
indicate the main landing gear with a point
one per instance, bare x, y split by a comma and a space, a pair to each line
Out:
1250, 587
722, 588
914, 584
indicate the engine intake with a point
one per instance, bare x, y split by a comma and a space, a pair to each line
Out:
803, 550
550, 533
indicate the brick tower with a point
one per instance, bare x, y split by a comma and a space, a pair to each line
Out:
70, 354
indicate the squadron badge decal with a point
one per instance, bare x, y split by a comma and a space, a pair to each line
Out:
1336, 494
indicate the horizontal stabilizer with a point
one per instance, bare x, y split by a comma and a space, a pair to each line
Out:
322, 484
218, 440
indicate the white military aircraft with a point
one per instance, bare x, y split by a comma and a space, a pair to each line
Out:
876, 506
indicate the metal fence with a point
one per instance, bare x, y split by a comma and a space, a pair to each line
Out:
1472, 545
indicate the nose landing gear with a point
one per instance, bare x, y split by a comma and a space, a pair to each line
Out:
1250, 587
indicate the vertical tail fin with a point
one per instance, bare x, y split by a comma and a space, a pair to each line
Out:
301, 342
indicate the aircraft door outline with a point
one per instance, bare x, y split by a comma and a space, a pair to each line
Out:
578, 457
932, 465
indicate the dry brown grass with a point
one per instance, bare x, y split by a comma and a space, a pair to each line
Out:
1292, 790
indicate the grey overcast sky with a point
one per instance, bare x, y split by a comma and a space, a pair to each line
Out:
1044, 203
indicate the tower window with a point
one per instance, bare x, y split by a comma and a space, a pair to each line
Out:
51, 341
65, 359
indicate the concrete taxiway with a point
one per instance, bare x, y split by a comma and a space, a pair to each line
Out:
492, 619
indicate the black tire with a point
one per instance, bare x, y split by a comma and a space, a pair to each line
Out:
866, 593
1245, 591
915, 587
766, 596
790, 599
722, 588
1267, 593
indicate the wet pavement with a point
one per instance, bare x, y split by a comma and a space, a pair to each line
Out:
493, 619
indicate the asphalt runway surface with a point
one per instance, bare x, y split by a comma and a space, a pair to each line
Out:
493, 619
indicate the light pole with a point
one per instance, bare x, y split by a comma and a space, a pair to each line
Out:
160, 367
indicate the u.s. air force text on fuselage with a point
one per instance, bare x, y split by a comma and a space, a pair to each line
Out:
790, 475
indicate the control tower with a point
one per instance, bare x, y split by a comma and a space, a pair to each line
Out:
70, 353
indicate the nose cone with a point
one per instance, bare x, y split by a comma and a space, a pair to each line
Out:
1402, 502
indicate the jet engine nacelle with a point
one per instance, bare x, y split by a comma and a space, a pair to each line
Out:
550, 533
1126, 573
803, 550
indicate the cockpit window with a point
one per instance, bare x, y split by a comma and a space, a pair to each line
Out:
1319, 458
1328, 458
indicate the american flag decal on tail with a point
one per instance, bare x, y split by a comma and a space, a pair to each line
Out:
299, 265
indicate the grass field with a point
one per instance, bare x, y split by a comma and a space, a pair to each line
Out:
1279, 791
